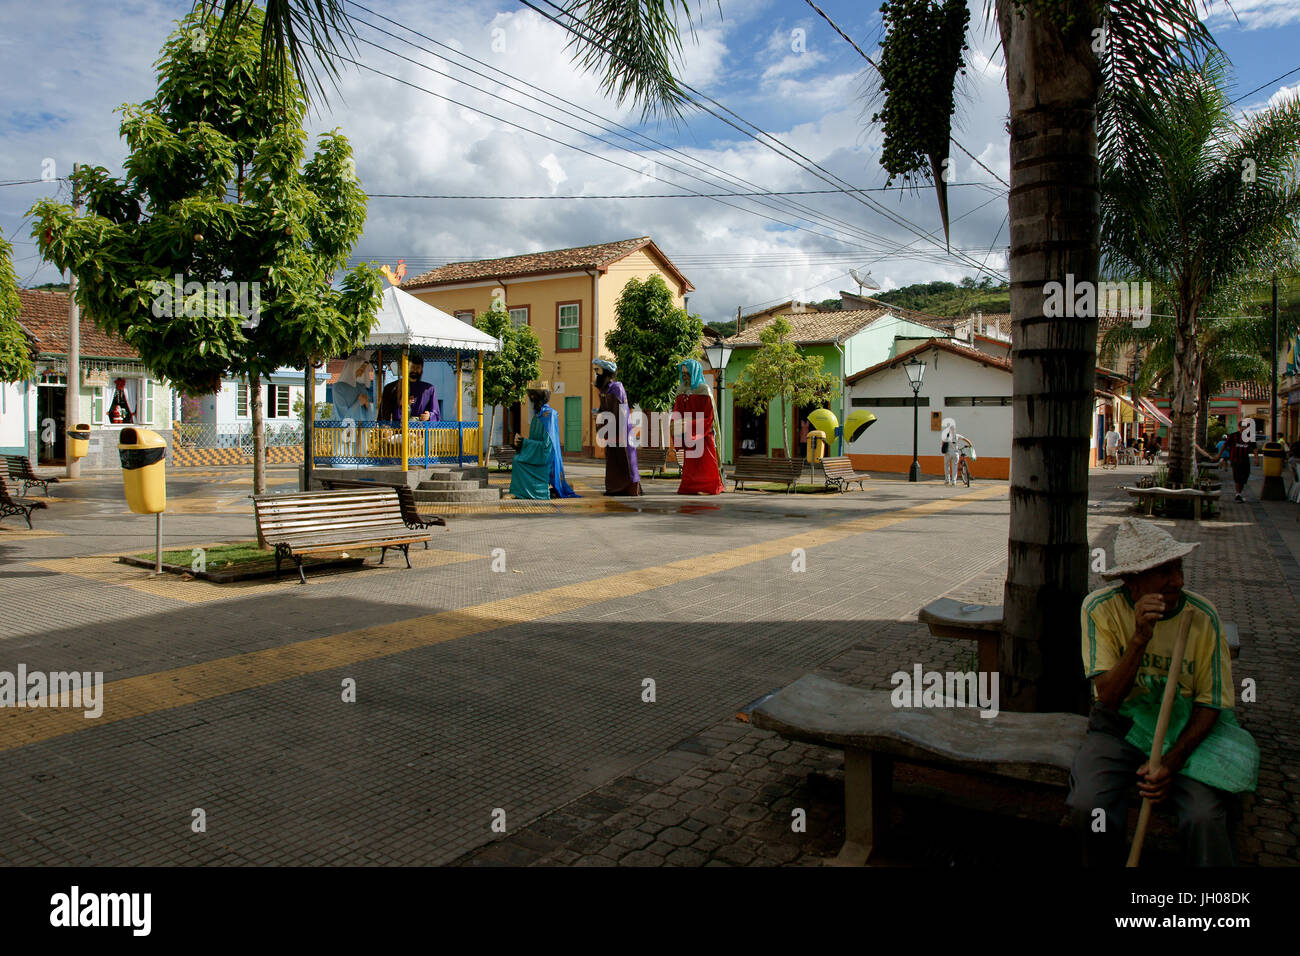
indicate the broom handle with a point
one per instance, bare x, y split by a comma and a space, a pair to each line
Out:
1158, 741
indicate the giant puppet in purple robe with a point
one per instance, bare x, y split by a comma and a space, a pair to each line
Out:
622, 476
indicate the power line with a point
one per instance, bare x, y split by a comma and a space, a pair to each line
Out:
822, 221
1265, 86
772, 142
788, 192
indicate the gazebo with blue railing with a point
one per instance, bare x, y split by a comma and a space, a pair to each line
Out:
404, 327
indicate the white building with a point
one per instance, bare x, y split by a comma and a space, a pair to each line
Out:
968, 385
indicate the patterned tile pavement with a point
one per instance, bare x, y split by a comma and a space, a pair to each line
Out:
519, 695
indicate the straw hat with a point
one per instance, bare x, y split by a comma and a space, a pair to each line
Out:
1141, 546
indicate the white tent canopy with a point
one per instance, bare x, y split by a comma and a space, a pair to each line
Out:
405, 320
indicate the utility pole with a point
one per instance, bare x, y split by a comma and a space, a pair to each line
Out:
72, 403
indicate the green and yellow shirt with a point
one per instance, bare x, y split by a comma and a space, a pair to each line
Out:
1109, 620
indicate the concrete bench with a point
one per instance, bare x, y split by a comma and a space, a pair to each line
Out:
1149, 496
873, 734
982, 623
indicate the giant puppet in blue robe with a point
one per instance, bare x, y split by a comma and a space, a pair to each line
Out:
539, 467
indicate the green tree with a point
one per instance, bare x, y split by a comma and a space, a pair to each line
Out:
650, 339
781, 372
15, 349
506, 373
1197, 201
217, 193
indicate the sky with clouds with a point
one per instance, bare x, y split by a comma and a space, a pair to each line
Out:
424, 129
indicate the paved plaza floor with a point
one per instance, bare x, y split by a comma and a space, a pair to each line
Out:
501, 711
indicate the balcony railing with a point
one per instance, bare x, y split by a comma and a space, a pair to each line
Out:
341, 444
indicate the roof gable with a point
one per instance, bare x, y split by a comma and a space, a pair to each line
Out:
45, 316
962, 351
599, 256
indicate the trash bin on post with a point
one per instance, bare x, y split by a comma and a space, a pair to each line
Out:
143, 470
816, 447
143, 454
78, 441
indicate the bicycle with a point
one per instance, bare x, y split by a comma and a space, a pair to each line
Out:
963, 466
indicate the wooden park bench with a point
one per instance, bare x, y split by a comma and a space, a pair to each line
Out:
331, 522
873, 734
503, 456
982, 623
840, 473
411, 514
1149, 496
656, 460
20, 470
781, 471
13, 505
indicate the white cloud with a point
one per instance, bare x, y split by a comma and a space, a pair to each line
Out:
1253, 14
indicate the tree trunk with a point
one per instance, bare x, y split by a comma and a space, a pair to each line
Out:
1182, 411
1054, 216
1203, 409
259, 434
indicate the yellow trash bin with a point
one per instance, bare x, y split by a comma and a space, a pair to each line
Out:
143, 470
1274, 456
816, 447
79, 441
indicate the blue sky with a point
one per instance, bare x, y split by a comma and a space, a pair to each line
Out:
65, 66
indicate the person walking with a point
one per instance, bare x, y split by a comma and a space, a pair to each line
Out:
1110, 444
948, 448
1239, 450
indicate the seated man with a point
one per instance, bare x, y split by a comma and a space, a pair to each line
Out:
1129, 631
421, 396
538, 469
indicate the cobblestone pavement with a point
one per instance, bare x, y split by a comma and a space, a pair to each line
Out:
517, 696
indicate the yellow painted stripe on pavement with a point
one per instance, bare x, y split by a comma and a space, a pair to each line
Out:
164, 690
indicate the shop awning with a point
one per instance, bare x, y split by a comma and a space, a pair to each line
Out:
1149, 408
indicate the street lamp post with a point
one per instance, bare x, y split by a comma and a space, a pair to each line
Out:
719, 354
915, 373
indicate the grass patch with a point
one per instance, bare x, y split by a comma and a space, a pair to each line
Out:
222, 557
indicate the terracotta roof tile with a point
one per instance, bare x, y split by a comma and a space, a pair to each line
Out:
963, 350
539, 263
810, 327
45, 315
1250, 391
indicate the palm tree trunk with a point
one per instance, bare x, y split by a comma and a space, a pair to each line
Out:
1183, 402
1054, 215
1203, 409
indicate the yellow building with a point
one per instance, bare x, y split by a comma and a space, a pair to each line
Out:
568, 297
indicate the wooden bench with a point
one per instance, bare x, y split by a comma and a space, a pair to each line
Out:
656, 460
411, 514
873, 734
13, 505
20, 470
1149, 495
503, 455
329, 522
840, 473
781, 471
982, 623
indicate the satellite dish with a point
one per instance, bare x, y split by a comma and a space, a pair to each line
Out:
863, 280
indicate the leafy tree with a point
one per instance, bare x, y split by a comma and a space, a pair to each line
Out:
506, 373
15, 350
781, 371
216, 192
650, 340
1196, 201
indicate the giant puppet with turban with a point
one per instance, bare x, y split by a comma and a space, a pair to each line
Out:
622, 476
537, 471
696, 447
